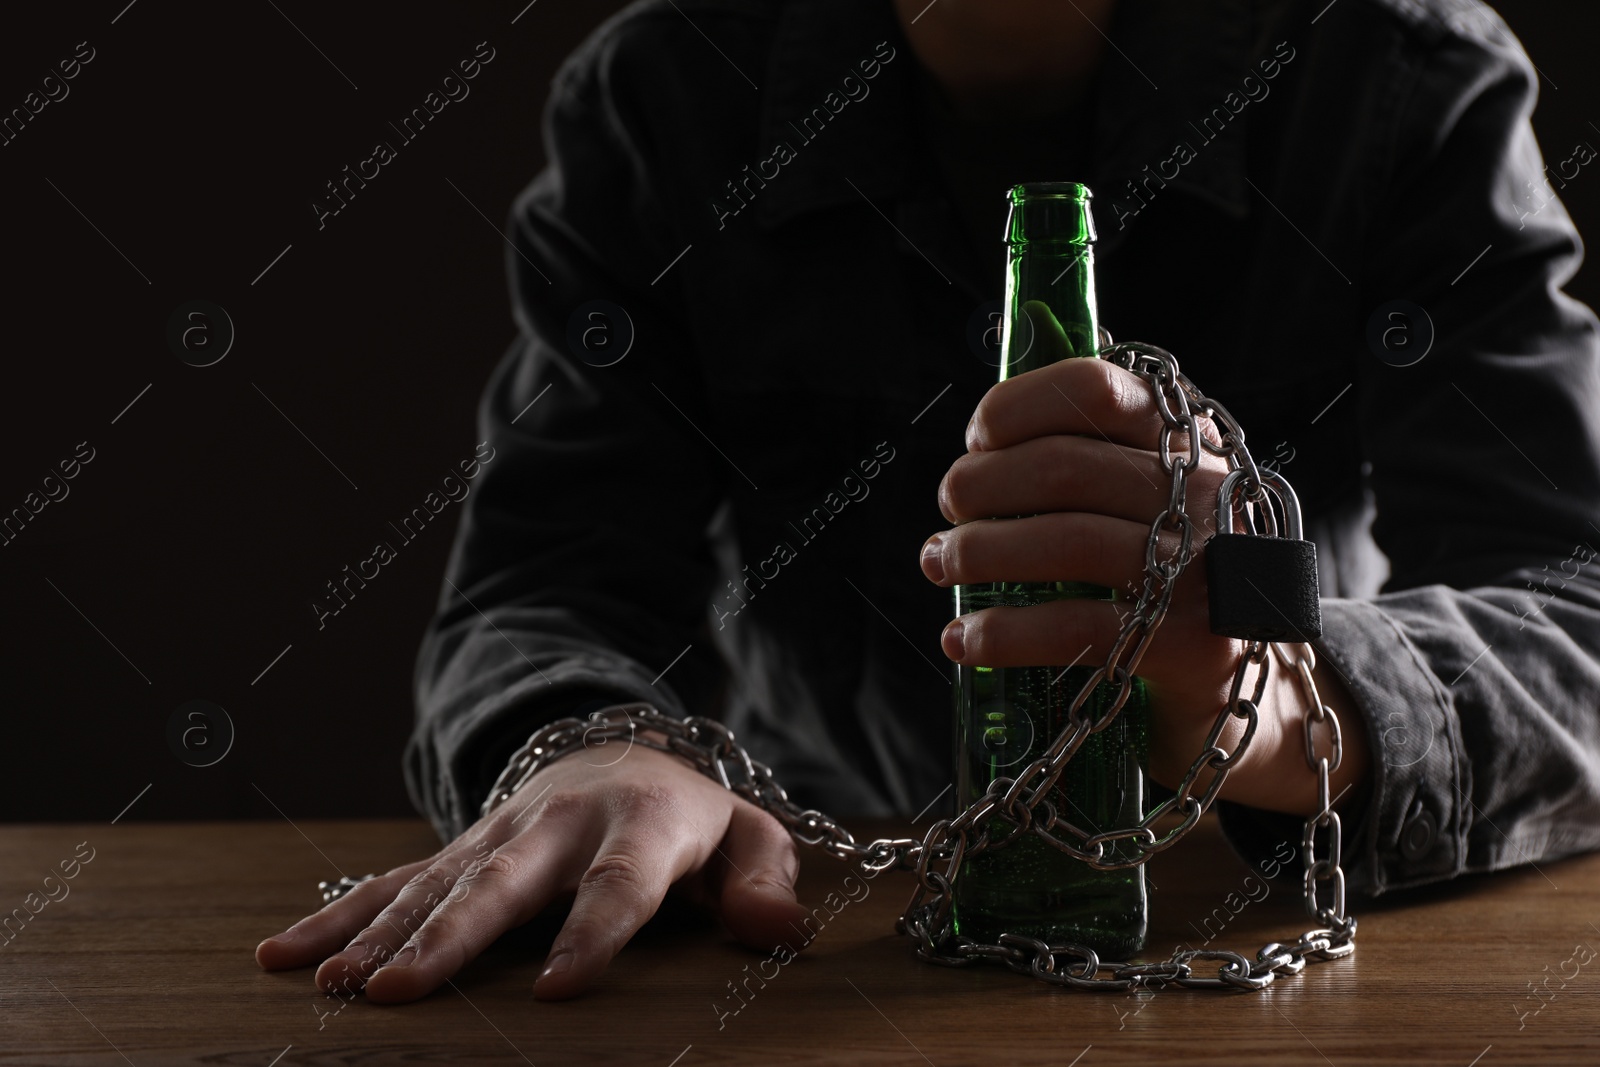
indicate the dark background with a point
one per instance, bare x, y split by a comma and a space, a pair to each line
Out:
188, 551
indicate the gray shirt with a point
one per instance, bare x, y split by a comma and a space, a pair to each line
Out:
726, 519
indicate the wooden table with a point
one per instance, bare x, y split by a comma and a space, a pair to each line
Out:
148, 960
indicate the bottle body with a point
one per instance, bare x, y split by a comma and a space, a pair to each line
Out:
1008, 716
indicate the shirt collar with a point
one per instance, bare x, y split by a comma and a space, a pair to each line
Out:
1168, 65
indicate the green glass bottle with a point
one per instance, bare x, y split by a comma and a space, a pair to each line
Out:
1008, 716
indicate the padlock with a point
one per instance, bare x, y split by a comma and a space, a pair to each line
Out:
1263, 588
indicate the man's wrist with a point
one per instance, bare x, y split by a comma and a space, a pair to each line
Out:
1280, 778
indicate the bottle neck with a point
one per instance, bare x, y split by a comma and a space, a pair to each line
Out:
1051, 310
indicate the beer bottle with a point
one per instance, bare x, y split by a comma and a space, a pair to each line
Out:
1008, 716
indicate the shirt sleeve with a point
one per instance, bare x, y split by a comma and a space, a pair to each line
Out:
582, 568
1477, 667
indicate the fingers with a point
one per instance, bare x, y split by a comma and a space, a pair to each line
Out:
1074, 396
1065, 633
643, 853
1094, 397
1056, 473
1073, 632
1063, 473
313, 938
756, 881
501, 882
349, 965
1056, 547
618, 842
1061, 547
1076, 633
499, 891
1048, 340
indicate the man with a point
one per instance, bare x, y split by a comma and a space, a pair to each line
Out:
790, 210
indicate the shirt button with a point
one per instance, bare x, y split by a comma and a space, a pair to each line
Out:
1418, 835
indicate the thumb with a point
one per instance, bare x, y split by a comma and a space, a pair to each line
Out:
756, 896
1049, 338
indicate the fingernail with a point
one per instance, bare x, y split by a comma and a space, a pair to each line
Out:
360, 961
972, 434
774, 883
347, 977
955, 640
933, 559
403, 958
560, 963
286, 937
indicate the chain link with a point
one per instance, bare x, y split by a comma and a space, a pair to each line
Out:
1011, 807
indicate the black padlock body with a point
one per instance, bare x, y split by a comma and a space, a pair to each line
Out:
1263, 588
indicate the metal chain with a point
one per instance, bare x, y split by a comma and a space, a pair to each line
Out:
1012, 806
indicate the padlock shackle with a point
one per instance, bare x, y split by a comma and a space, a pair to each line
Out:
1274, 483
1291, 503
1225, 500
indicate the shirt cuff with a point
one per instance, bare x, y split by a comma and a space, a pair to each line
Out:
450, 768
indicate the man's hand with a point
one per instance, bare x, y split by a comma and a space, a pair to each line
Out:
1073, 446
616, 836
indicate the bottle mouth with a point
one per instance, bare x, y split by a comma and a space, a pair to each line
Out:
1074, 191
1050, 213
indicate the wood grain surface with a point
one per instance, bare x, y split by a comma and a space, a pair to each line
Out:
147, 959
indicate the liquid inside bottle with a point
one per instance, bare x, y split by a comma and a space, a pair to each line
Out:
1008, 717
